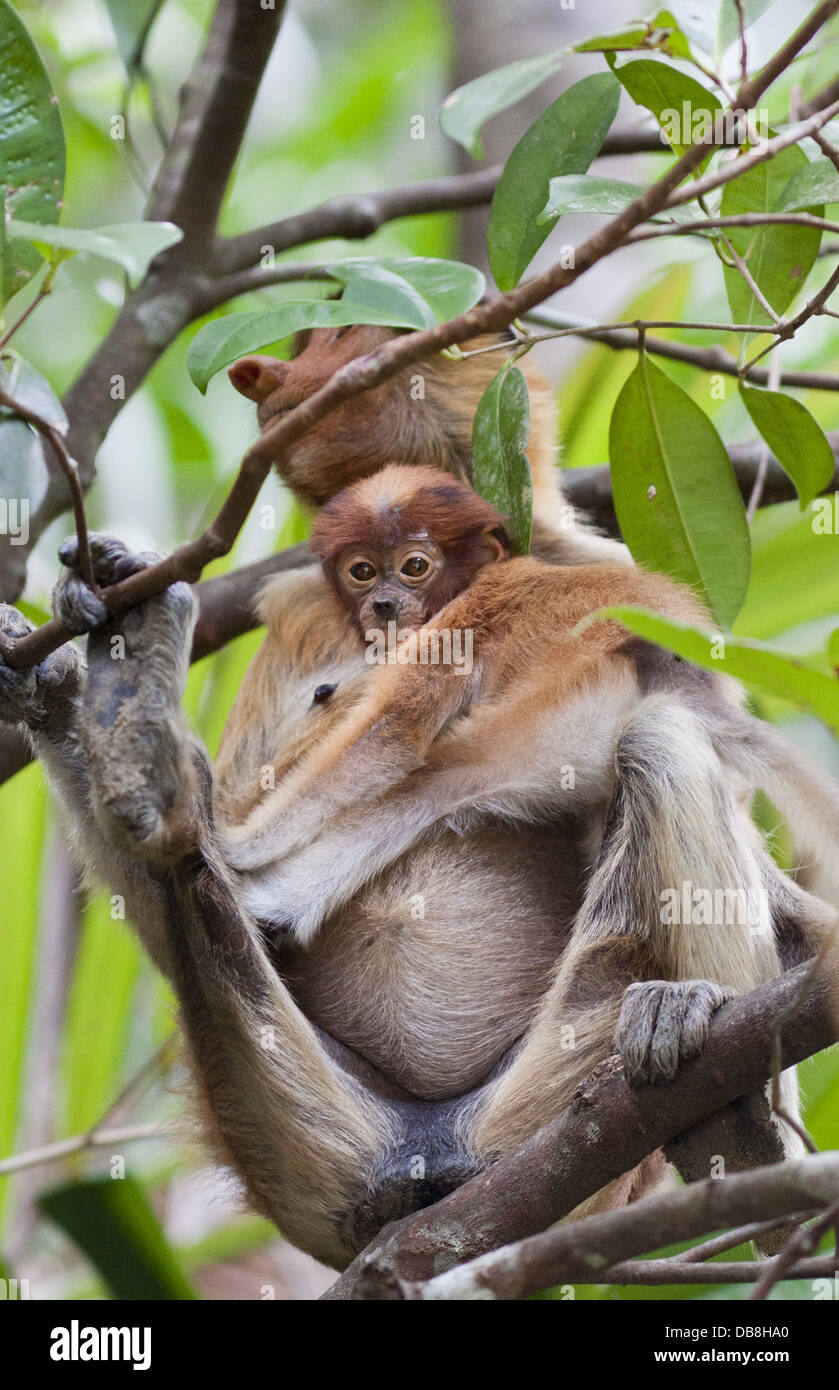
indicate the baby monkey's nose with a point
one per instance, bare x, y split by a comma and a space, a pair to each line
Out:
384, 608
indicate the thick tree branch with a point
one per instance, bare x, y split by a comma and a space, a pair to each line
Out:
189, 189
356, 216
606, 1131
216, 103
584, 1252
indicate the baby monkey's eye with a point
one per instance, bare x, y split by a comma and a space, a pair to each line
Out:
415, 567
362, 570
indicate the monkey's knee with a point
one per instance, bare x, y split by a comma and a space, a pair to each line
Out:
151, 809
663, 1023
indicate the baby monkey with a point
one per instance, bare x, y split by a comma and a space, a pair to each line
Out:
400, 545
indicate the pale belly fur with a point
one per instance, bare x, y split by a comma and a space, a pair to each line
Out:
437, 967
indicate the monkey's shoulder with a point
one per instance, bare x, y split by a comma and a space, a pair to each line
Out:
305, 621
561, 596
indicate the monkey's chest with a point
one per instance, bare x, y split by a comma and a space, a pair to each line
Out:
436, 969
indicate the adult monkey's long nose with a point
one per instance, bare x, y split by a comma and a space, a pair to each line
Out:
257, 376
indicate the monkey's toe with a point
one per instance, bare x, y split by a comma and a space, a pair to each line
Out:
110, 557
663, 1023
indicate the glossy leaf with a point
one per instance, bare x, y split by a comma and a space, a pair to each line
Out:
31, 149
20, 380
814, 184
668, 92
411, 292
779, 257
428, 290
112, 1222
795, 438
590, 193
467, 109
23, 470
133, 245
757, 665
564, 140
676, 498
500, 466
661, 31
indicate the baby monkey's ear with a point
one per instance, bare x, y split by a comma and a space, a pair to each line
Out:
496, 543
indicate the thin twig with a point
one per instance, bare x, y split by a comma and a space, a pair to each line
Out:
95, 1139
801, 1243
717, 1245
69, 468
744, 53
763, 462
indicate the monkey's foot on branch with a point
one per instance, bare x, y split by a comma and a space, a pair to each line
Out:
663, 1023
35, 696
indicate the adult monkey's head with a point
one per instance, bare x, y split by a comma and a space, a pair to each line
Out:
422, 415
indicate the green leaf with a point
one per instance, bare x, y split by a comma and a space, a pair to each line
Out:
816, 183
757, 665
674, 99
113, 1223
833, 649
564, 140
662, 32
728, 24
780, 257
31, 149
425, 291
409, 292
133, 245
590, 193
29, 388
22, 816
676, 498
500, 466
796, 440
23, 469
467, 109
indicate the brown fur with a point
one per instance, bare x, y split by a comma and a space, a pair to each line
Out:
421, 417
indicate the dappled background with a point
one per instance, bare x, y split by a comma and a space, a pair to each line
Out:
83, 1014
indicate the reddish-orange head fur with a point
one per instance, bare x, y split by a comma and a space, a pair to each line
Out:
381, 516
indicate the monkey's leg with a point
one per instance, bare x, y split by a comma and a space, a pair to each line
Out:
144, 764
381, 742
673, 826
312, 1144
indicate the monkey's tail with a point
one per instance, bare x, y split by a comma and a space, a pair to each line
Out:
806, 797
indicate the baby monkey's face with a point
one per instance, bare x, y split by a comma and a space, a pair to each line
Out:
395, 585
